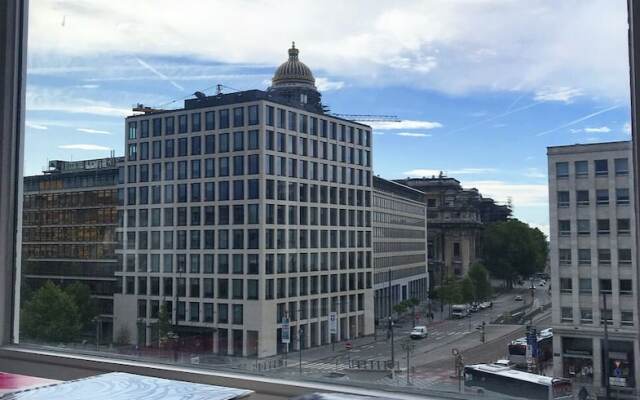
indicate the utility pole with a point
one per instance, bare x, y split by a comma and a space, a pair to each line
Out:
408, 347
300, 339
606, 345
483, 332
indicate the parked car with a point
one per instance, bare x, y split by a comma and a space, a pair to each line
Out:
419, 332
486, 304
474, 307
518, 298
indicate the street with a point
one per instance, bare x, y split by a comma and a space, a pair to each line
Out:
431, 360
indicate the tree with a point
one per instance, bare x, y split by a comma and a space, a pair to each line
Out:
513, 249
164, 324
400, 307
480, 279
51, 316
466, 290
450, 293
87, 307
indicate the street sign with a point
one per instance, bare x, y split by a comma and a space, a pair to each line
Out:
333, 323
285, 331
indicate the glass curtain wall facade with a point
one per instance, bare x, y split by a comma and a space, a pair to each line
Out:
69, 230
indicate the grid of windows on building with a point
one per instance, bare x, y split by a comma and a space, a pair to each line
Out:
69, 232
256, 213
592, 256
399, 245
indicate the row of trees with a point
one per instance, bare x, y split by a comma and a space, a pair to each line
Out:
475, 286
511, 250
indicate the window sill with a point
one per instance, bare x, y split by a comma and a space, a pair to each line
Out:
65, 366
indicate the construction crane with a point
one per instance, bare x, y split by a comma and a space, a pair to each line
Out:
369, 117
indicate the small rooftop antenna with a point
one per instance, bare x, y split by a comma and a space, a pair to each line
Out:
219, 88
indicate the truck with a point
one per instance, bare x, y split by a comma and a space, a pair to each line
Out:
459, 310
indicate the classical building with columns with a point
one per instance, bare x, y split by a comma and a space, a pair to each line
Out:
241, 211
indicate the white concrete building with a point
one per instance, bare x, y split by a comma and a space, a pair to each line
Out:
240, 210
593, 253
399, 245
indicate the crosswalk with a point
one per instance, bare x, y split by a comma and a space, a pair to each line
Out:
325, 366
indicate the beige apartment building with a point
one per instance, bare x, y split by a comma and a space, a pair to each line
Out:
246, 214
593, 255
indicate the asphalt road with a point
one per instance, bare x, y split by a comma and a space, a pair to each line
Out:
443, 335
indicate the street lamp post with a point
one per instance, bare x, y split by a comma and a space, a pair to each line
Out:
606, 345
393, 359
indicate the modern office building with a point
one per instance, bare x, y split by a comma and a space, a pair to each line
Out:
593, 257
243, 211
399, 245
69, 229
456, 218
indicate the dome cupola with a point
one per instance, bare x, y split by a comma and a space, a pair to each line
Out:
293, 72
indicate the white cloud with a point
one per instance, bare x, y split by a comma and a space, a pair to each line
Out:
543, 227
49, 99
534, 173
442, 45
598, 129
325, 85
561, 94
89, 86
413, 134
601, 129
89, 147
420, 172
404, 124
33, 125
378, 133
627, 128
522, 195
89, 130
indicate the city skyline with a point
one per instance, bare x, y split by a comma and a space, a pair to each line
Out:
565, 85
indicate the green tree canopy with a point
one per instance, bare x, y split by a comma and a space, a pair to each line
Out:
466, 290
51, 315
480, 279
513, 249
450, 292
87, 307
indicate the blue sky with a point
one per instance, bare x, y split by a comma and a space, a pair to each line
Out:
482, 86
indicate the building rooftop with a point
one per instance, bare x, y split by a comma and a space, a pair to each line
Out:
384, 185
589, 147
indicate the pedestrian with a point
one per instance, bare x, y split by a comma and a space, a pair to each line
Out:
583, 394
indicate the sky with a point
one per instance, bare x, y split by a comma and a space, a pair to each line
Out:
481, 87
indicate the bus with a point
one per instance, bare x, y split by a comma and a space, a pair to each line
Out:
518, 349
493, 381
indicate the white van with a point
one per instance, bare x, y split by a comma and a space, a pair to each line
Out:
459, 310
